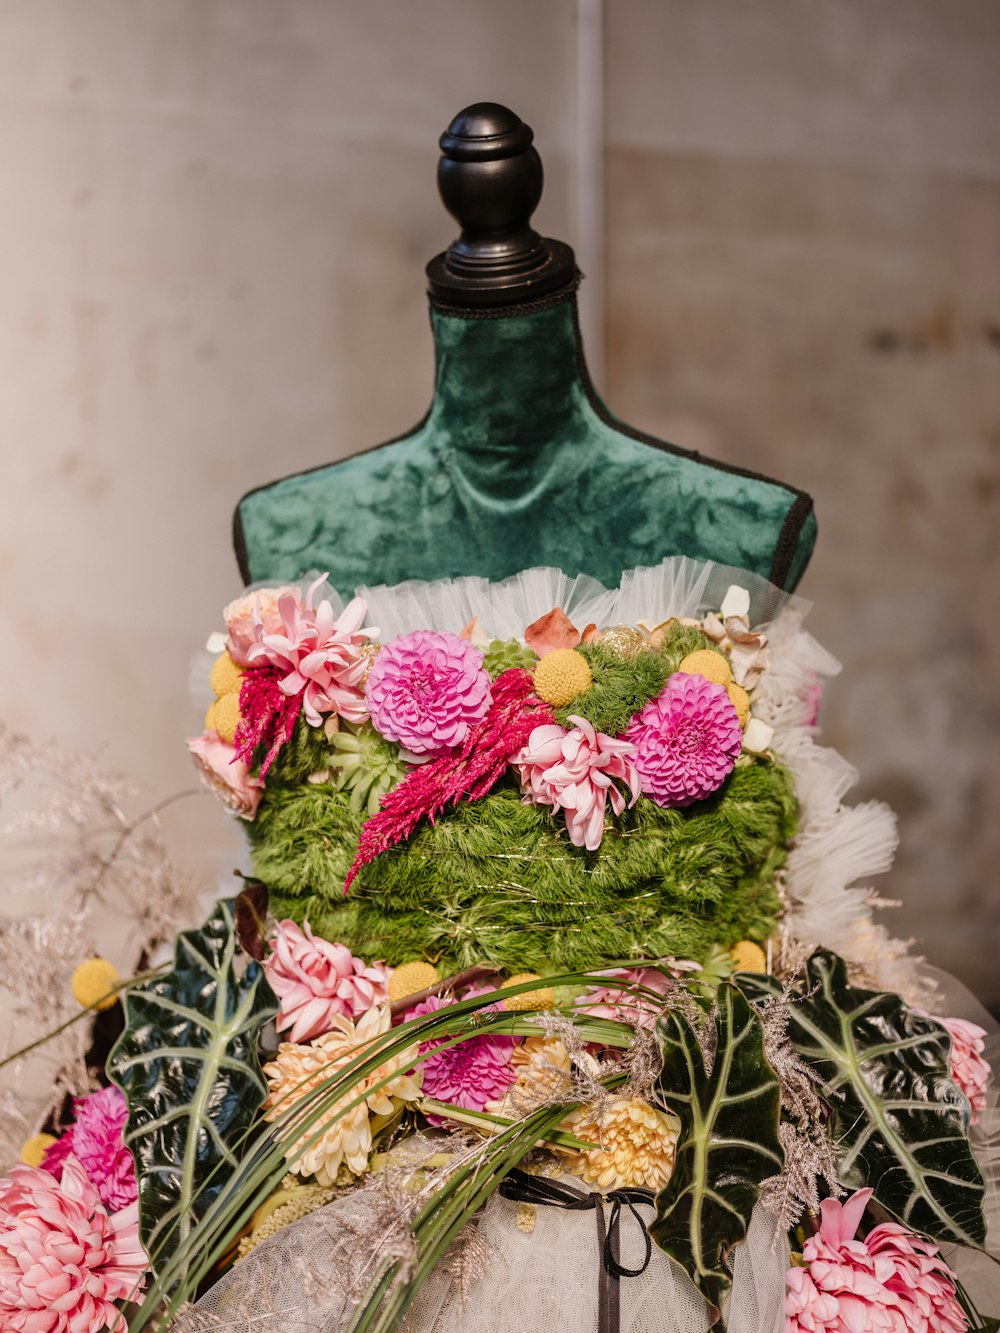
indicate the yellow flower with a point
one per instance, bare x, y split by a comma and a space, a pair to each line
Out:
223, 716
543, 998
748, 957
298, 1070
544, 1073
35, 1149
409, 978
561, 675
708, 663
636, 1144
92, 981
740, 700
226, 677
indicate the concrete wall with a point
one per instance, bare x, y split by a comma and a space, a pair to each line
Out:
211, 245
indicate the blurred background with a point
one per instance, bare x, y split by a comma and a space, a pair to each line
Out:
215, 221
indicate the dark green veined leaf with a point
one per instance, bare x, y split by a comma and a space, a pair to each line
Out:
899, 1123
187, 1064
728, 1143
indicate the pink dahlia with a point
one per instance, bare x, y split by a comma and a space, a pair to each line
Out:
470, 1073
968, 1068
686, 740
890, 1280
241, 617
96, 1140
315, 981
224, 773
64, 1259
317, 653
578, 772
427, 690
632, 1005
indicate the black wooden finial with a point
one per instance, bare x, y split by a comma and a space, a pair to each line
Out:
490, 178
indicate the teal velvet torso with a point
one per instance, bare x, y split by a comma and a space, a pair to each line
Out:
518, 463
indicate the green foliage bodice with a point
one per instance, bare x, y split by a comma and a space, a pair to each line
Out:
518, 463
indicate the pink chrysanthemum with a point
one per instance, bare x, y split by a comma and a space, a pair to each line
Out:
889, 1281
686, 740
315, 981
426, 690
633, 1005
470, 1073
968, 1067
64, 1260
95, 1140
578, 772
317, 654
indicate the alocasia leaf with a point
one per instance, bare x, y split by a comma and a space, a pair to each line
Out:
899, 1124
187, 1064
728, 1143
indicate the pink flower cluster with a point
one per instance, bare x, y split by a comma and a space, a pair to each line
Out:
96, 1140
316, 981
578, 772
686, 740
226, 774
426, 690
470, 1073
888, 1282
630, 1004
64, 1259
316, 652
968, 1068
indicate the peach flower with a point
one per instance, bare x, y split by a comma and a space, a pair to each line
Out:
226, 775
241, 615
64, 1259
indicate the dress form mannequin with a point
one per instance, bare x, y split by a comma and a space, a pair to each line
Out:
518, 462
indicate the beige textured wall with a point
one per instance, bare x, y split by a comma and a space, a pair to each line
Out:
211, 245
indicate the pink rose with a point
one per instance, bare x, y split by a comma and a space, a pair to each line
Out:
226, 775
316, 981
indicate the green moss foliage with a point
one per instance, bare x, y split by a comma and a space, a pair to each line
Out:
497, 880
620, 689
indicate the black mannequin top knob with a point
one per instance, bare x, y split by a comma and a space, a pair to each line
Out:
490, 178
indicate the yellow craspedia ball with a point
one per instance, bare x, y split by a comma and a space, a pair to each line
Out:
748, 957
561, 675
543, 998
224, 717
409, 978
33, 1152
226, 677
713, 666
92, 981
740, 700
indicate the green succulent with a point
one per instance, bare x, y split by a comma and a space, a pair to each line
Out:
506, 654
365, 765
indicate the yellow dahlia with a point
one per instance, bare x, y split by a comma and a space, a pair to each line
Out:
298, 1070
542, 1073
636, 1144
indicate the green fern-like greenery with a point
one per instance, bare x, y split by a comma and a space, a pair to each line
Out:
500, 881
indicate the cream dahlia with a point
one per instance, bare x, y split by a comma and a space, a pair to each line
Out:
298, 1070
542, 1073
636, 1144
889, 1281
578, 772
315, 981
64, 1259
426, 690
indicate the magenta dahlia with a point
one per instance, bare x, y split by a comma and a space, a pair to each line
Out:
426, 690
96, 1140
470, 1073
686, 741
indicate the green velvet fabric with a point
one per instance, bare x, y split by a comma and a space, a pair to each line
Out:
518, 463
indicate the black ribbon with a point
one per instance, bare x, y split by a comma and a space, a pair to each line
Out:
522, 1188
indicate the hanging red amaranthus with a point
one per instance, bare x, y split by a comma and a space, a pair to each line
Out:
469, 772
267, 715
